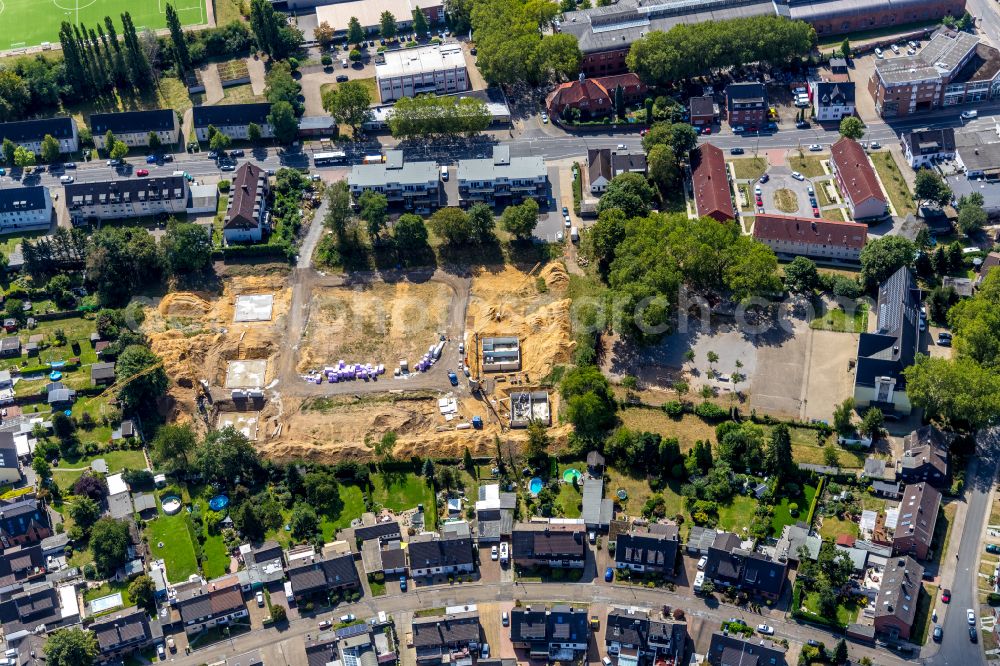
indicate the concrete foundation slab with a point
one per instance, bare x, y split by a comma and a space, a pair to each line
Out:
246, 374
254, 307
244, 422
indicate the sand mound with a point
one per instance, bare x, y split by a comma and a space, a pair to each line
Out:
184, 304
555, 276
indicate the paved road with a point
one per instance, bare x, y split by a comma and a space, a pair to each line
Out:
956, 649
583, 593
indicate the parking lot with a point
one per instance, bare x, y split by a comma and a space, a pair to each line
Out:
780, 178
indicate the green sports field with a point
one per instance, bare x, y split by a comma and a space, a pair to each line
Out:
25, 23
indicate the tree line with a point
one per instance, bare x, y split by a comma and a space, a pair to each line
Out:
692, 49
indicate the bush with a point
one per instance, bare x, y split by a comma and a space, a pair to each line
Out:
710, 411
673, 408
355, 55
326, 60
224, 185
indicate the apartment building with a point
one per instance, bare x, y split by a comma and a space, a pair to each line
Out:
438, 69
809, 237
134, 197
134, 127
857, 180
896, 601
30, 133
710, 182
502, 180
25, 208
918, 512
832, 100
746, 105
247, 212
923, 148
233, 120
410, 185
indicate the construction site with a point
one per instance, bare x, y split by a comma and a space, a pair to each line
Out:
269, 359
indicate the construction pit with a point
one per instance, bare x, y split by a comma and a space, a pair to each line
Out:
382, 323
197, 335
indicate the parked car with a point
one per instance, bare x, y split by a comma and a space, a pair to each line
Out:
114, 163
802, 124
912, 44
545, 118
622, 146
757, 190
213, 154
142, 172
970, 114
815, 211
228, 167
65, 179
815, 147
895, 49
879, 54
341, 78
151, 159
402, 583
325, 624
945, 595
706, 130
504, 552
453, 378
347, 618
970, 615
606, 660
798, 176
738, 129
567, 221
764, 178
876, 145
736, 151
765, 629
609, 575
69, 165
595, 623
239, 152
990, 547
494, 553
505, 619
973, 635
484, 651
559, 237
565, 210
938, 633
260, 599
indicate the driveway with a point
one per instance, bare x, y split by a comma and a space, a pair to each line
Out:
781, 178
213, 83
255, 66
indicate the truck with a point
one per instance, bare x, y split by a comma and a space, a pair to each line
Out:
574, 235
372, 159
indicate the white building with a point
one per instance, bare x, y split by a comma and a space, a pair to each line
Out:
923, 148
369, 12
30, 133
24, 208
233, 120
412, 185
436, 69
832, 100
136, 197
134, 127
502, 179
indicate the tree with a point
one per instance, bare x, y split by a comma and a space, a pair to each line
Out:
324, 34
882, 257
469, 463
801, 275
141, 378
349, 104
23, 157
410, 234
187, 248
71, 647
778, 455
142, 592
388, 25
282, 86
537, 448
109, 542
520, 220
420, 26
220, 142
355, 33
62, 426
960, 392
481, 221
278, 614
119, 150
254, 133
50, 149
842, 418
452, 225
971, 218
181, 54
339, 208
430, 116
930, 187
92, 486
173, 446
851, 127
845, 49
85, 512
303, 521
428, 469
872, 423
323, 491
42, 469
227, 456
248, 521
830, 456
664, 170
373, 209
284, 122
590, 404
154, 141
630, 193
940, 301
120, 261
140, 72
8, 150
840, 651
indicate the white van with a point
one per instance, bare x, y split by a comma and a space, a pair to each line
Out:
65, 179
969, 115
444, 173
574, 235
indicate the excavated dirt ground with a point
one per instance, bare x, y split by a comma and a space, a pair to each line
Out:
377, 323
196, 336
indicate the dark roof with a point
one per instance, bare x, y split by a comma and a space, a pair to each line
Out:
918, 512
21, 563
30, 608
130, 122
856, 171
835, 93
208, 602
735, 650
102, 371
900, 589
432, 551
541, 540
930, 141
925, 448
8, 455
246, 197
893, 346
337, 571
123, 628
653, 547
445, 630
702, 106
560, 624
267, 552
19, 516
710, 181
730, 564
13, 199
595, 459
24, 131
231, 114
810, 231
117, 191
378, 531
746, 93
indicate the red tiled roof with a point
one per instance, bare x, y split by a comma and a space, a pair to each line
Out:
711, 183
846, 540
599, 91
856, 172
810, 230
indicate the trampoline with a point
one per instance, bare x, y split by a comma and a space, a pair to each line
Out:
218, 503
535, 486
571, 474
622, 495
171, 504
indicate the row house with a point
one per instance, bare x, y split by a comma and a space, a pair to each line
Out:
557, 634
638, 639
651, 549
710, 183
135, 127
23, 521
432, 555
317, 575
25, 209
204, 605
918, 512
925, 457
793, 236
125, 198
502, 180
730, 565
125, 632
561, 546
451, 638
233, 120
30, 133
897, 598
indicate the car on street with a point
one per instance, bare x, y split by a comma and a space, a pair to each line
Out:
702, 562
325, 624
239, 152
812, 202
738, 129
815, 147
798, 176
114, 163
151, 159
815, 211
227, 167
945, 595
505, 619
812, 642
757, 190
810, 191
973, 635
606, 660
970, 615
876, 145
342, 78
565, 210
609, 575
765, 629
938, 633
970, 114
65, 179
402, 583
260, 599
161, 651
622, 146
706, 130
213, 154
764, 178
736, 151
545, 118
759, 201
802, 124
69, 165
142, 172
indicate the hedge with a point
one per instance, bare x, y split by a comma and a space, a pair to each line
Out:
265, 250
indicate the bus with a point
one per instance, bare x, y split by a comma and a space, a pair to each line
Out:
323, 159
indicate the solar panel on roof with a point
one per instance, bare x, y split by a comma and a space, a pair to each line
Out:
352, 630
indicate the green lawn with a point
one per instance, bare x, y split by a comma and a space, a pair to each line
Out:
117, 461
783, 516
835, 215
838, 320
738, 514
846, 614
833, 527
569, 500
39, 22
922, 620
822, 196
215, 557
354, 505
9, 241
805, 449
240, 94
809, 166
893, 183
399, 491
177, 550
106, 589
750, 168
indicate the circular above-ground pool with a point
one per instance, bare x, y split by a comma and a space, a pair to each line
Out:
171, 504
622, 495
55, 375
535, 486
218, 503
571, 474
